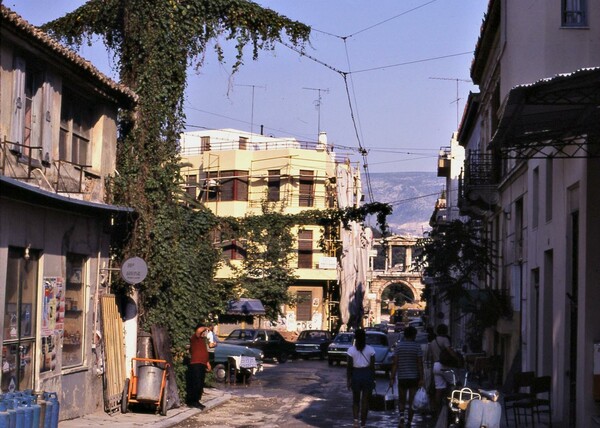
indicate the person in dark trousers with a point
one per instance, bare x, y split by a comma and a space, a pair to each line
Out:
360, 376
408, 366
198, 365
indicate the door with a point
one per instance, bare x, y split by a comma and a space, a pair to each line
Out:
18, 347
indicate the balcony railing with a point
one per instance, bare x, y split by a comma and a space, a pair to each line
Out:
478, 185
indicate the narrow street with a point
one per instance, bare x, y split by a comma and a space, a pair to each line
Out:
296, 394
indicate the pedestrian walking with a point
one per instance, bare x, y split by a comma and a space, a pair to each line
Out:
360, 376
408, 367
441, 341
198, 365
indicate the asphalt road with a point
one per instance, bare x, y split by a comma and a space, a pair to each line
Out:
295, 394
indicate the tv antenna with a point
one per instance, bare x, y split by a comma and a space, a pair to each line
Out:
252, 109
456, 79
318, 105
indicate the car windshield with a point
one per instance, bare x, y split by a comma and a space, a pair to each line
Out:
241, 334
319, 335
344, 338
377, 340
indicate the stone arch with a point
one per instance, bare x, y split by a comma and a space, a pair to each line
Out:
379, 284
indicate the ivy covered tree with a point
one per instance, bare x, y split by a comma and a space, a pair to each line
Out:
153, 43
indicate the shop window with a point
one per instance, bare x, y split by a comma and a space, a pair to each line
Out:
304, 306
305, 249
19, 327
74, 304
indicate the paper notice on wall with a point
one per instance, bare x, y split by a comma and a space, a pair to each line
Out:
53, 306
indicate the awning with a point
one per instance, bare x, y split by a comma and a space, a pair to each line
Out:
245, 307
544, 118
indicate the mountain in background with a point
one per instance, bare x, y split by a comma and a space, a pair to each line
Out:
412, 196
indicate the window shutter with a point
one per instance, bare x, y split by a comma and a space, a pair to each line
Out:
18, 114
304, 306
49, 89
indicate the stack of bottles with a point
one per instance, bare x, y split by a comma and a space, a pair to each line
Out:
28, 409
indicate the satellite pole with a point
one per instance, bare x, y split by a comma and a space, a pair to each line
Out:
318, 104
457, 98
252, 109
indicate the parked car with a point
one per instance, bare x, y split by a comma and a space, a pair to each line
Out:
219, 359
270, 342
338, 349
313, 343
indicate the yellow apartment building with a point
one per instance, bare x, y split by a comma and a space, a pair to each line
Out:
233, 173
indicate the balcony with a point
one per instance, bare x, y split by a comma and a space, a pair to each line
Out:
21, 162
444, 162
478, 185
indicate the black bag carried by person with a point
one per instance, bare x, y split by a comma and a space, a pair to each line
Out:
382, 402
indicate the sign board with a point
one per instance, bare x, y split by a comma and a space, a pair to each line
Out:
134, 270
327, 263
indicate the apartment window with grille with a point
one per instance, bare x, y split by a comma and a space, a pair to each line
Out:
75, 125
205, 144
274, 185
304, 306
230, 186
305, 249
307, 188
574, 13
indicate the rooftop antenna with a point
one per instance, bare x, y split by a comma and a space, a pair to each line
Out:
318, 105
252, 110
456, 79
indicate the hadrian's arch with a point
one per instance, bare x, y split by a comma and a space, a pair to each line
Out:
393, 277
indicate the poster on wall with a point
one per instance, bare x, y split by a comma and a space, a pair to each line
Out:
53, 306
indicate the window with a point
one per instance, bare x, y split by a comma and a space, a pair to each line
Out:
191, 185
233, 250
274, 185
205, 144
307, 188
574, 13
231, 186
549, 188
20, 315
72, 351
75, 123
304, 306
535, 211
305, 243
243, 143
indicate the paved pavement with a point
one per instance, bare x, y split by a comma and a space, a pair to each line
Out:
137, 418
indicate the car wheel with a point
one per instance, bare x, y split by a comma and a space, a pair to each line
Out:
283, 357
220, 373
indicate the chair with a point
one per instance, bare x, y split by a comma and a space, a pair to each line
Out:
521, 390
538, 402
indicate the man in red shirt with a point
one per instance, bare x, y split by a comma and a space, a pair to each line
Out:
198, 365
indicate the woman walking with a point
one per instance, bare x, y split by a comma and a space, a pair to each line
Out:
360, 376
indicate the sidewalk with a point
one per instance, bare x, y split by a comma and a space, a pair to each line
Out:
212, 397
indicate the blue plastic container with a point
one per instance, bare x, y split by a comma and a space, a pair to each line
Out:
4, 418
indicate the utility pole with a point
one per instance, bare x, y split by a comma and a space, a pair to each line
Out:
252, 109
318, 104
457, 98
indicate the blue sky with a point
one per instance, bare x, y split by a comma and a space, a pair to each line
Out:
395, 51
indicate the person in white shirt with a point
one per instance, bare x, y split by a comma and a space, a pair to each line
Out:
360, 376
